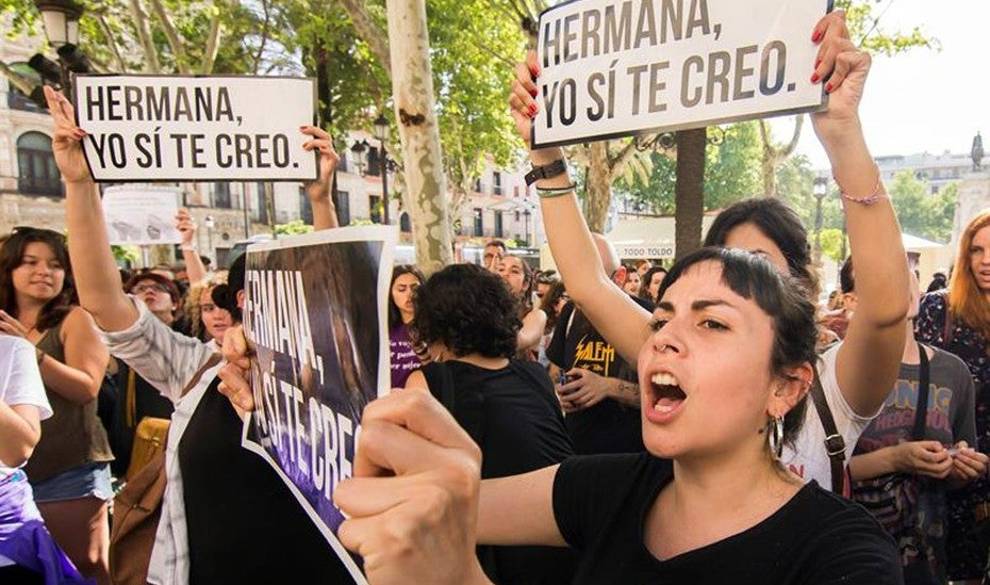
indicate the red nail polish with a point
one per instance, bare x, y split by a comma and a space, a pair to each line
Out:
817, 63
815, 78
828, 88
532, 108
534, 92
817, 37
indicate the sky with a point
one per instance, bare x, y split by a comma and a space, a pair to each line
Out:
924, 100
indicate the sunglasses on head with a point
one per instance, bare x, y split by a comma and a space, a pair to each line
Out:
29, 230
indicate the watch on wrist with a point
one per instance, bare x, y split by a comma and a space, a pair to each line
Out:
548, 171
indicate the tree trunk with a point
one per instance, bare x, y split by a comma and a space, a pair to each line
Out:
689, 192
774, 155
599, 188
769, 166
415, 107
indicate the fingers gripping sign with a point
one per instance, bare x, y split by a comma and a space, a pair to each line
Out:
413, 500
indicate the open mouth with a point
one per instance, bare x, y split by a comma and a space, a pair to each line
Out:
667, 393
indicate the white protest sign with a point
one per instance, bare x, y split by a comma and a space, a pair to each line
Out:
181, 128
141, 215
611, 68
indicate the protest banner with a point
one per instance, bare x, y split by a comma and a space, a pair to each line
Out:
141, 215
182, 128
612, 68
316, 313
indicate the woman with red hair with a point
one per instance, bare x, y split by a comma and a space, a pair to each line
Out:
958, 320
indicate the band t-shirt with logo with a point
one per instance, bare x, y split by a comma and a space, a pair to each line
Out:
609, 426
912, 507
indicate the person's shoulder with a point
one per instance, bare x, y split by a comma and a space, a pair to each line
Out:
935, 300
847, 543
949, 360
78, 317
836, 516
617, 468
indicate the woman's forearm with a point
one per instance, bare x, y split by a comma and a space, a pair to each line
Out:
195, 269
94, 268
872, 464
18, 435
72, 383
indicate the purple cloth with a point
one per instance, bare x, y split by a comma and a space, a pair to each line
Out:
404, 359
24, 538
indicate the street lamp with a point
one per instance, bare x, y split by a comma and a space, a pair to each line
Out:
381, 133
526, 216
61, 20
820, 189
359, 149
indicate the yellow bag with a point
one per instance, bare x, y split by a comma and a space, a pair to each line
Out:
149, 441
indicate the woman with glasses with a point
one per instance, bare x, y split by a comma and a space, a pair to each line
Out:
69, 470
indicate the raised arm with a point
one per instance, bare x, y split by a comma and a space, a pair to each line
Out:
869, 359
620, 320
96, 275
324, 211
186, 225
531, 332
80, 377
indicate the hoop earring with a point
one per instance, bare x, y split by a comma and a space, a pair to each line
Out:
775, 436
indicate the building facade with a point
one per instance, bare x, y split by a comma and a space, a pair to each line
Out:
938, 170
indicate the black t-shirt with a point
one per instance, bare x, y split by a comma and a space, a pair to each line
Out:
609, 426
514, 417
817, 538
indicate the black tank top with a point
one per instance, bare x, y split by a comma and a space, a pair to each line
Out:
245, 526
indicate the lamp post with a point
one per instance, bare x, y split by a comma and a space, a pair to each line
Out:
526, 215
381, 133
61, 18
820, 189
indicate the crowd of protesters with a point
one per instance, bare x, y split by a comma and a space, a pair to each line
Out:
700, 422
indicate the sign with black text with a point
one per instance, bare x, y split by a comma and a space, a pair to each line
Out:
182, 128
316, 313
612, 68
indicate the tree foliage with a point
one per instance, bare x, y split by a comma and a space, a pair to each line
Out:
732, 171
920, 212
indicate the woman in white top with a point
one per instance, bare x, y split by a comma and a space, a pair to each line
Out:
27, 552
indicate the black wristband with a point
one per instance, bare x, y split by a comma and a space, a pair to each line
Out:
554, 169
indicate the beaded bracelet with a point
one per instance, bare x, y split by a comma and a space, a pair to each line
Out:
878, 192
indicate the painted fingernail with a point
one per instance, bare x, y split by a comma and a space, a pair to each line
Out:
817, 63
828, 88
532, 108
534, 92
817, 36
815, 78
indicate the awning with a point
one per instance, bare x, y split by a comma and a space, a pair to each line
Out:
648, 238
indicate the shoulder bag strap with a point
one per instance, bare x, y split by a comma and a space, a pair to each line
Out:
921, 412
835, 445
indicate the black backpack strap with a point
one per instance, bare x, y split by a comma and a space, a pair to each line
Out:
921, 413
835, 445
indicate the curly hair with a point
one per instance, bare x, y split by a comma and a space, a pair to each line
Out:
12, 256
782, 297
469, 310
191, 308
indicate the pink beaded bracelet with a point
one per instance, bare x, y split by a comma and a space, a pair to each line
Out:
878, 192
